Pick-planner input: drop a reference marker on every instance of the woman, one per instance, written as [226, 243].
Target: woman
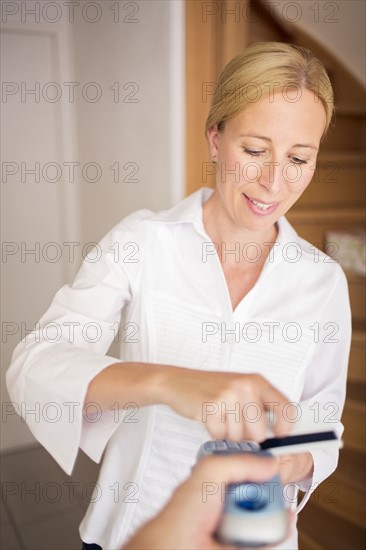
[226, 311]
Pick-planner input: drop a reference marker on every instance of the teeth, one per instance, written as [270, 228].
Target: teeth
[260, 205]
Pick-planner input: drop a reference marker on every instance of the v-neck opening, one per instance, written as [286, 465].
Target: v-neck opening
[202, 230]
[232, 310]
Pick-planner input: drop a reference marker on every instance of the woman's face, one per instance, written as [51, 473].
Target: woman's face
[266, 157]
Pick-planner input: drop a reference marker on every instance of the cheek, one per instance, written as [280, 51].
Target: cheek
[229, 167]
[228, 157]
[297, 176]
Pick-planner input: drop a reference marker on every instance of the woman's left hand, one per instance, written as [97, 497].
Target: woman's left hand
[296, 467]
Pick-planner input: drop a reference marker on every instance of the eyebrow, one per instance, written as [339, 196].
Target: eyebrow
[307, 145]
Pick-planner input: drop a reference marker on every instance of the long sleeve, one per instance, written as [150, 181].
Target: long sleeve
[326, 377]
[53, 366]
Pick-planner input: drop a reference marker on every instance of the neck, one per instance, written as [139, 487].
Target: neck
[239, 244]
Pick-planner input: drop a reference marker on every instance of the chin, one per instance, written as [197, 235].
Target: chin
[259, 226]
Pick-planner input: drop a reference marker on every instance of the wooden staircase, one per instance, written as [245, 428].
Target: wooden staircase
[334, 518]
[335, 201]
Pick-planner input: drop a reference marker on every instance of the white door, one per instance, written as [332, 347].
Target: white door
[51, 208]
[38, 202]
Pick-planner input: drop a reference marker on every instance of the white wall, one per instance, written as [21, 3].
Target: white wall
[338, 25]
[143, 46]
[143, 131]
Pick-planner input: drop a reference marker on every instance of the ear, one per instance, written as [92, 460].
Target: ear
[213, 136]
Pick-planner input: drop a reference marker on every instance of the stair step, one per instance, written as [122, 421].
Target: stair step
[343, 489]
[350, 157]
[357, 296]
[312, 224]
[348, 132]
[331, 178]
[353, 419]
[350, 109]
[347, 215]
[330, 531]
[352, 468]
[357, 361]
[356, 391]
[308, 542]
[341, 500]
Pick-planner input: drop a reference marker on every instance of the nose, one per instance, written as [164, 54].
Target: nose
[271, 176]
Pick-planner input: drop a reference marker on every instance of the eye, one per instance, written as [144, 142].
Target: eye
[297, 160]
[253, 152]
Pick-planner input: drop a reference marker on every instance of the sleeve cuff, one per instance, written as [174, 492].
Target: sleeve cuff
[54, 414]
[325, 462]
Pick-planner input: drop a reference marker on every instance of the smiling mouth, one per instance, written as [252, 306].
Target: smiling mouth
[262, 205]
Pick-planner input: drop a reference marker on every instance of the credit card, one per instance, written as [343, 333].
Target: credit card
[293, 444]
[308, 431]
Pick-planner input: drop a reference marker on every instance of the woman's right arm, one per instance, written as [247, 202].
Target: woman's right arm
[218, 399]
[53, 366]
[62, 367]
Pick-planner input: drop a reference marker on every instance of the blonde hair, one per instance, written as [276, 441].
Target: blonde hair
[265, 68]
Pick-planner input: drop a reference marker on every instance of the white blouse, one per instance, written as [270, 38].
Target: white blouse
[161, 272]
